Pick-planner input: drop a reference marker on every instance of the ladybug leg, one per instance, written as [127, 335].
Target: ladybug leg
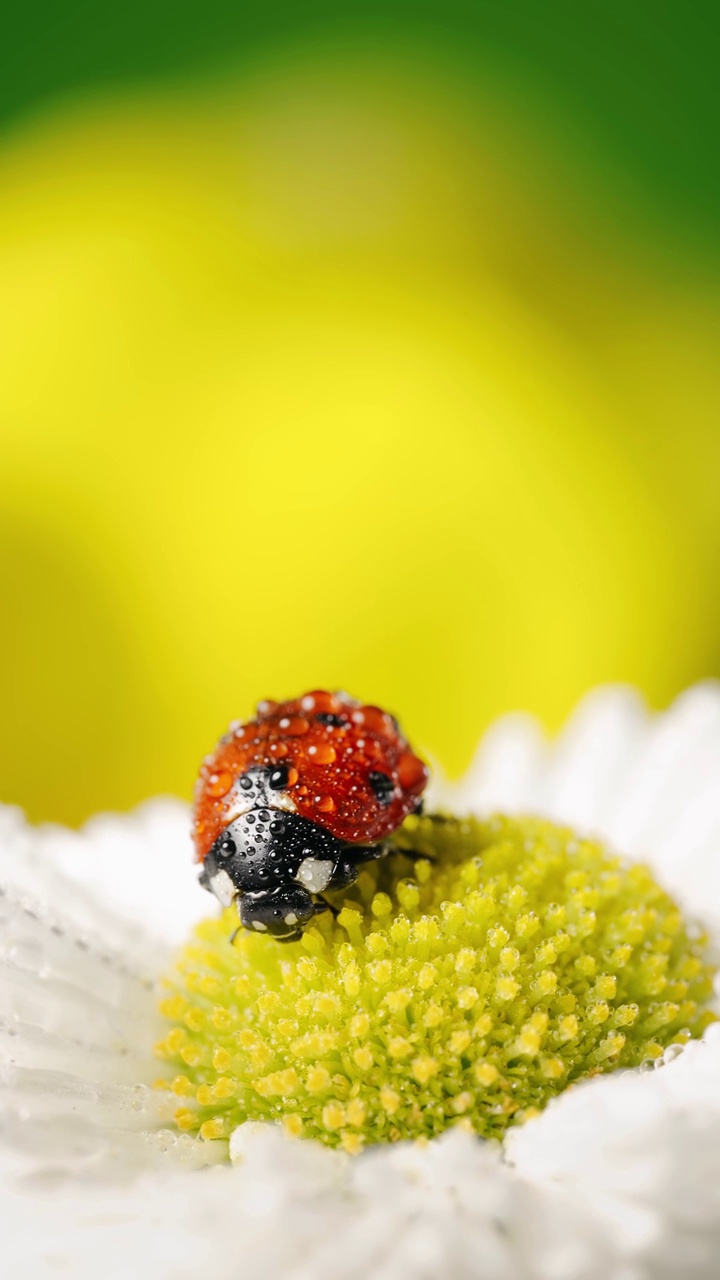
[415, 855]
[348, 865]
[345, 873]
[419, 812]
[356, 854]
[324, 905]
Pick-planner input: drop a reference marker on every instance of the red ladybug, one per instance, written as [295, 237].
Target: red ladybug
[290, 804]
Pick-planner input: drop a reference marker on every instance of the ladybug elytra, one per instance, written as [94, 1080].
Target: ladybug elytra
[289, 805]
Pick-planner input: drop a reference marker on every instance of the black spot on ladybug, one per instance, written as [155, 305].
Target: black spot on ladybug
[279, 777]
[327, 717]
[382, 785]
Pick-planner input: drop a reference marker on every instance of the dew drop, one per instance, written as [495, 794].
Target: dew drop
[219, 784]
[411, 771]
[297, 726]
[325, 804]
[374, 719]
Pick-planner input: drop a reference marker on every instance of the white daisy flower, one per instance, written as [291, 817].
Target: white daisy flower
[618, 1177]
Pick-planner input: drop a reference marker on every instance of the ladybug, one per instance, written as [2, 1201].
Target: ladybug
[289, 805]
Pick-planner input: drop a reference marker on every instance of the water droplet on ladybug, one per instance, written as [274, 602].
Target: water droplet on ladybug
[322, 753]
[219, 784]
[279, 777]
[297, 726]
[374, 720]
[266, 707]
[411, 772]
[325, 804]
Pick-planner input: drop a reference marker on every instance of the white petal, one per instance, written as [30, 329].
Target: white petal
[590, 761]
[140, 864]
[506, 772]
[643, 1149]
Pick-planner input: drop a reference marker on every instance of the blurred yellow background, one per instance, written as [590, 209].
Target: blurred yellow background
[339, 372]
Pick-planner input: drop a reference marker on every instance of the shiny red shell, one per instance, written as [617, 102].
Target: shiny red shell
[329, 768]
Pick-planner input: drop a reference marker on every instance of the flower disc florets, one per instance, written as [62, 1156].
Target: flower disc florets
[468, 989]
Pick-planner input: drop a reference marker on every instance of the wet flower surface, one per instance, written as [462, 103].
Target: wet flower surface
[617, 1176]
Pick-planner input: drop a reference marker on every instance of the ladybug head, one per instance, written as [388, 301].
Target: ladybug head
[282, 914]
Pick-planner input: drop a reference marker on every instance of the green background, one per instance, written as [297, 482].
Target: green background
[638, 82]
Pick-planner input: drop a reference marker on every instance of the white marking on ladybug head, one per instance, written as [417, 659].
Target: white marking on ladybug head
[315, 874]
[223, 888]
[291, 918]
[258, 924]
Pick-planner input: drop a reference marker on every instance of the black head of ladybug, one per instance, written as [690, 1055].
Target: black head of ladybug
[282, 914]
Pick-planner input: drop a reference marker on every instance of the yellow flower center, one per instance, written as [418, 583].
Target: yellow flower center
[464, 990]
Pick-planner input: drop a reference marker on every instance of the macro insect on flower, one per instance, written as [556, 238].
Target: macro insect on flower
[292, 803]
